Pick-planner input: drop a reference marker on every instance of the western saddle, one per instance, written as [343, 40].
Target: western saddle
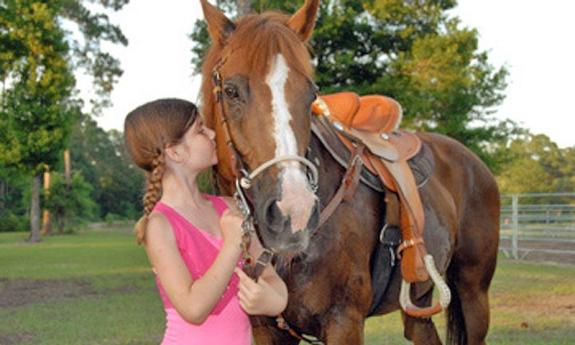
[373, 121]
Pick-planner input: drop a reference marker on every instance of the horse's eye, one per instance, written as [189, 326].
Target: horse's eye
[315, 91]
[231, 92]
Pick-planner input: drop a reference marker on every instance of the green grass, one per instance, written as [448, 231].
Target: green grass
[108, 294]
[96, 288]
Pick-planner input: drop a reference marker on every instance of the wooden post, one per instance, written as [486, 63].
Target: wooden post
[46, 214]
[67, 169]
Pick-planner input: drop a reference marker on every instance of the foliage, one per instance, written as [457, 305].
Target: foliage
[116, 185]
[103, 160]
[91, 26]
[537, 164]
[12, 186]
[10, 221]
[36, 65]
[410, 50]
[69, 203]
[36, 110]
[42, 43]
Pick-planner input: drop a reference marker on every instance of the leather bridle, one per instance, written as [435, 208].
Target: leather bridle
[243, 182]
[244, 178]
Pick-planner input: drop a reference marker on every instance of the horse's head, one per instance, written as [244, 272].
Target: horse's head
[262, 69]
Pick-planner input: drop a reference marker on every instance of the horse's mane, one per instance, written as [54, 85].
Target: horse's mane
[260, 38]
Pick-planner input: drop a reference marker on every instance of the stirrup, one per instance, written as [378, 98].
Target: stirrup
[444, 293]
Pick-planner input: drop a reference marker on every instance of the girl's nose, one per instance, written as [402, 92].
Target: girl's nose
[211, 133]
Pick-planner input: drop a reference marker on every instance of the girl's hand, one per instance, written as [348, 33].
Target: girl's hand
[259, 298]
[231, 225]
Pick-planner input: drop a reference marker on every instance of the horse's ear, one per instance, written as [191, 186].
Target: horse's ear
[303, 21]
[219, 26]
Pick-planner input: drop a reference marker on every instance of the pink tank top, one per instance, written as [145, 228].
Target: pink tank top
[227, 323]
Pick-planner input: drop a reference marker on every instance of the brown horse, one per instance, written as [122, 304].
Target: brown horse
[263, 74]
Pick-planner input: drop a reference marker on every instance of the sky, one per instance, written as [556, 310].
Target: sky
[530, 39]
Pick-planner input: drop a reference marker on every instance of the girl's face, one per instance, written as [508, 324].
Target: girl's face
[199, 147]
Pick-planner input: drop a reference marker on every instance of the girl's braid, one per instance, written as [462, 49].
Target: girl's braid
[152, 195]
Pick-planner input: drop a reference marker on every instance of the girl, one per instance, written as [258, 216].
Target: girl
[193, 239]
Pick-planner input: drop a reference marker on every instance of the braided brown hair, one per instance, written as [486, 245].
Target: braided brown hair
[147, 131]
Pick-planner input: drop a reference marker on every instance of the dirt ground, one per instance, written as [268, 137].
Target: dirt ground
[18, 292]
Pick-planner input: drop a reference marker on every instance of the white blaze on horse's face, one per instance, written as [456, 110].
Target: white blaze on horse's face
[297, 198]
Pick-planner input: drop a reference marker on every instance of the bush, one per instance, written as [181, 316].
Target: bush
[110, 218]
[12, 222]
[70, 207]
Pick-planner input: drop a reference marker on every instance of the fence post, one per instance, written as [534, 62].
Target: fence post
[515, 228]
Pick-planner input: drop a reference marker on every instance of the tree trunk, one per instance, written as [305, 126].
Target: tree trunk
[244, 7]
[68, 177]
[35, 209]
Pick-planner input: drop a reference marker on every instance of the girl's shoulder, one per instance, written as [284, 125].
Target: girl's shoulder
[159, 229]
[158, 220]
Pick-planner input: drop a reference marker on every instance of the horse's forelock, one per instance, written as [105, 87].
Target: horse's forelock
[259, 38]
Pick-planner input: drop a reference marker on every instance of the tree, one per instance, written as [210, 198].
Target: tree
[412, 51]
[523, 176]
[68, 203]
[102, 158]
[536, 164]
[37, 59]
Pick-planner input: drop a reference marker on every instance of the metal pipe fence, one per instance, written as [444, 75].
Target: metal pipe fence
[538, 224]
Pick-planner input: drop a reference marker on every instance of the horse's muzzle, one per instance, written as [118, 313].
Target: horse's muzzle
[276, 228]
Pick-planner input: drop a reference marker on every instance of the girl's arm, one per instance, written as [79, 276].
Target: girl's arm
[194, 300]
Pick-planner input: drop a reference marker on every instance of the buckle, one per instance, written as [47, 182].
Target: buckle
[265, 257]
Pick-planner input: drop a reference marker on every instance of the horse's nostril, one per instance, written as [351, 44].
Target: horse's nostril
[273, 216]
